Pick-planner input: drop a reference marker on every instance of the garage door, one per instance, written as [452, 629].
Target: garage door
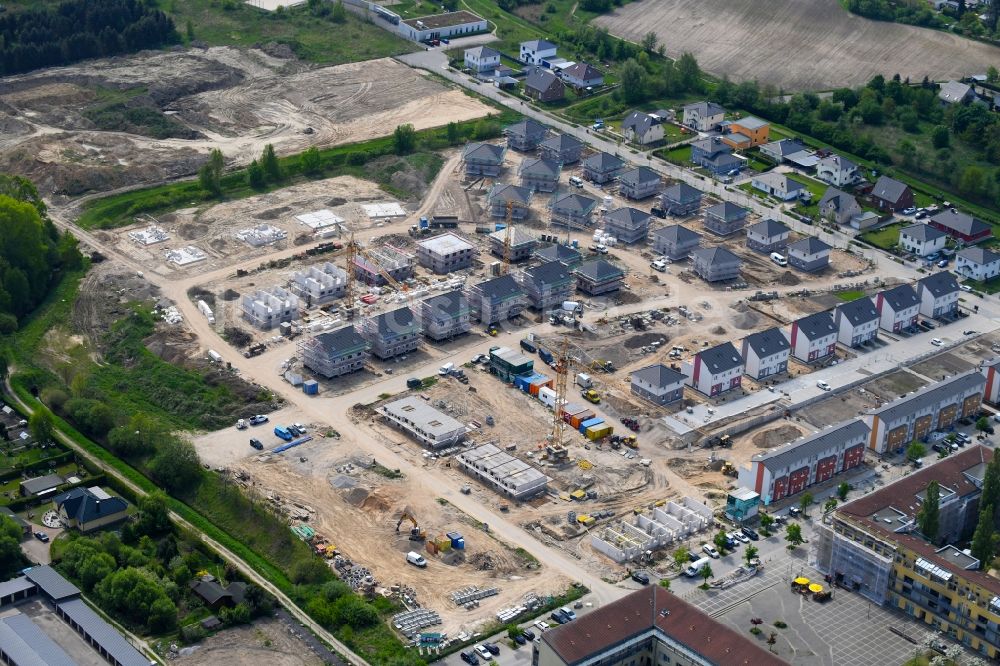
[970, 405]
[798, 480]
[825, 469]
[780, 487]
[923, 426]
[947, 415]
[897, 437]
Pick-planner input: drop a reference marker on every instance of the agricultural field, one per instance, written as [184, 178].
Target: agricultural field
[822, 46]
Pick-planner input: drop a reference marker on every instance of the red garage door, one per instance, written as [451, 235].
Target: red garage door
[798, 480]
[970, 405]
[780, 488]
[826, 468]
[854, 456]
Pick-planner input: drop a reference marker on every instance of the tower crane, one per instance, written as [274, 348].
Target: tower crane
[354, 250]
[556, 448]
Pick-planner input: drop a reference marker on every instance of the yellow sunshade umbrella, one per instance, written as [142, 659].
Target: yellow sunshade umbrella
[801, 580]
[815, 587]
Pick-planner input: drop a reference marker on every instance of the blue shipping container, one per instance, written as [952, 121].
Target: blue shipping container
[590, 422]
[424, 223]
[310, 387]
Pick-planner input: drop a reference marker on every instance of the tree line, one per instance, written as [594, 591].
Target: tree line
[74, 30]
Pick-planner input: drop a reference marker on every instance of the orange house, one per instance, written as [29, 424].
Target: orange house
[747, 132]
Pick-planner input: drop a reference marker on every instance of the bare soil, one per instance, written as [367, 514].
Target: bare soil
[266, 641]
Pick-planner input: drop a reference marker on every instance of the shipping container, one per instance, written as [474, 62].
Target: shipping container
[584, 380]
[538, 383]
[599, 431]
[576, 419]
[310, 387]
[571, 408]
[547, 396]
[589, 422]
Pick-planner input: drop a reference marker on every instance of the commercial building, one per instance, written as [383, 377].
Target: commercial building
[562, 149]
[503, 196]
[715, 370]
[445, 316]
[809, 254]
[539, 174]
[639, 183]
[392, 333]
[873, 545]
[88, 509]
[813, 337]
[268, 308]
[422, 422]
[725, 218]
[765, 353]
[897, 308]
[483, 159]
[447, 25]
[601, 168]
[935, 407]
[703, 116]
[629, 225]
[445, 253]
[597, 276]
[496, 300]
[922, 239]
[548, 285]
[680, 200]
[648, 626]
[977, 263]
[742, 504]
[676, 242]
[658, 384]
[383, 259]
[813, 459]
[961, 226]
[715, 264]
[525, 135]
[317, 285]
[938, 294]
[571, 210]
[335, 353]
[506, 474]
[857, 322]
[508, 363]
[767, 236]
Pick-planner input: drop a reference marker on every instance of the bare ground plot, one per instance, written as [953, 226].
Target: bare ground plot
[266, 641]
[237, 100]
[852, 403]
[941, 366]
[822, 46]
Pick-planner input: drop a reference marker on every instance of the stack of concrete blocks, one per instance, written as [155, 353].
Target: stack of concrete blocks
[319, 284]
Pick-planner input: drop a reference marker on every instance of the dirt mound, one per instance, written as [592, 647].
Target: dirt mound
[747, 320]
[740, 306]
[272, 213]
[336, 201]
[192, 230]
[644, 340]
[302, 239]
[627, 298]
[277, 50]
[776, 436]
[789, 278]
[717, 330]
[230, 295]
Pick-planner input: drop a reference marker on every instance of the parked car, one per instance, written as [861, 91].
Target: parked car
[558, 617]
[910, 211]
[795, 511]
[710, 550]
[568, 612]
[42, 536]
[541, 625]
[520, 639]
[731, 542]
[823, 385]
[640, 577]
[936, 342]
[470, 658]
[529, 634]
[964, 287]
[942, 263]
[241, 424]
[493, 648]
[741, 537]
[483, 653]
[256, 443]
[257, 419]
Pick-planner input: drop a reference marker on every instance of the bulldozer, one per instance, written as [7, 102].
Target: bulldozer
[729, 469]
[416, 533]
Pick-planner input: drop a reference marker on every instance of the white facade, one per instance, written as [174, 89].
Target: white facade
[837, 171]
[934, 306]
[450, 24]
[534, 51]
[704, 116]
[777, 185]
[893, 320]
[267, 309]
[759, 367]
[505, 473]
[851, 334]
[813, 345]
[701, 376]
[424, 423]
[984, 267]
[921, 242]
[319, 284]
[482, 59]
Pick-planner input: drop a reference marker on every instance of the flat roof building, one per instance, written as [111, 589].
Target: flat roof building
[436, 26]
[317, 285]
[506, 474]
[425, 424]
[445, 253]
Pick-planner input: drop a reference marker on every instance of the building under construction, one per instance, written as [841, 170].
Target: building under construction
[398, 264]
[335, 353]
[268, 308]
[444, 316]
[508, 475]
[422, 422]
[392, 333]
[317, 285]
[674, 522]
[522, 244]
[496, 300]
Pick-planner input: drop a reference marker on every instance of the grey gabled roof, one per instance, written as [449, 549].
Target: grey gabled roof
[705, 108]
[811, 446]
[541, 79]
[859, 311]
[922, 232]
[768, 228]
[930, 395]
[681, 193]
[552, 272]
[539, 167]
[638, 122]
[785, 147]
[25, 644]
[767, 343]
[599, 270]
[526, 127]
[816, 325]
[659, 375]
[727, 211]
[452, 303]
[639, 175]
[482, 52]
[51, 583]
[342, 341]
[396, 322]
[953, 91]
[838, 162]
[558, 252]
[505, 192]
[721, 358]
[573, 202]
[500, 288]
[712, 145]
[626, 215]
[809, 245]
[518, 237]
[960, 222]
[978, 255]
[41, 483]
[484, 152]
[716, 256]
[582, 71]
[81, 504]
[677, 233]
[562, 142]
[839, 197]
[603, 162]
[901, 297]
[102, 633]
[774, 179]
[939, 284]
[889, 189]
[539, 44]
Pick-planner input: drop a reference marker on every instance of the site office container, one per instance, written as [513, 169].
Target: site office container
[588, 424]
[569, 409]
[576, 420]
[599, 431]
[539, 383]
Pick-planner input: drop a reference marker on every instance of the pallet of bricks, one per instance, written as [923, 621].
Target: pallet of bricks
[409, 623]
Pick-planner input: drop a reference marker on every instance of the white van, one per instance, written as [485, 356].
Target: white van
[446, 369]
[416, 559]
[779, 259]
[695, 567]
[658, 266]
[576, 181]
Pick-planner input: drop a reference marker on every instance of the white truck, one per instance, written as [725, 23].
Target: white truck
[584, 380]
[207, 311]
[695, 567]
[215, 356]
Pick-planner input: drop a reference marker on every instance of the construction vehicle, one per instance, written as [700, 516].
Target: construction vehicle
[590, 395]
[416, 533]
[729, 469]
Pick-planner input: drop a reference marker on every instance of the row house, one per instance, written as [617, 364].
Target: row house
[766, 353]
[715, 370]
[814, 337]
[991, 367]
[897, 308]
[857, 322]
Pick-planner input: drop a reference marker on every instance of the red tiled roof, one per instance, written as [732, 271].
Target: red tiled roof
[650, 607]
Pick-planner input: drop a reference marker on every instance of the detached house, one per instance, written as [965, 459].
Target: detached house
[838, 207]
[814, 337]
[658, 384]
[392, 333]
[778, 185]
[680, 200]
[534, 51]
[747, 132]
[890, 194]
[857, 322]
[837, 171]
[809, 254]
[582, 76]
[483, 159]
[897, 308]
[572, 210]
[938, 295]
[767, 236]
[539, 174]
[715, 370]
[496, 300]
[445, 316]
[542, 85]
[525, 135]
[642, 128]
[780, 151]
[725, 218]
[602, 168]
[676, 242]
[976, 263]
[482, 60]
[922, 239]
[547, 285]
[503, 194]
[628, 225]
[766, 353]
[954, 92]
[522, 244]
[597, 276]
[704, 116]
[715, 264]
[569, 256]
[88, 509]
[561, 148]
[714, 155]
[639, 183]
[961, 226]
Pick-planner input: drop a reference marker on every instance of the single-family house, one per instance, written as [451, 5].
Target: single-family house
[680, 200]
[496, 300]
[483, 159]
[778, 185]
[444, 316]
[725, 218]
[522, 244]
[445, 253]
[639, 183]
[602, 168]
[215, 596]
[569, 256]
[542, 85]
[676, 242]
[532, 52]
[837, 171]
[938, 295]
[715, 370]
[658, 384]
[88, 509]
[582, 76]
[642, 129]
[813, 337]
[809, 254]
[857, 322]
[779, 151]
[547, 286]
[571, 210]
[897, 308]
[890, 194]
[747, 132]
[767, 236]
[627, 224]
[922, 239]
[766, 353]
[715, 264]
[392, 333]
[482, 60]
[539, 174]
[714, 155]
[955, 92]
[525, 135]
[704, 116]
[335, 353]
[597, 276]
[976, 263]
[838, 206]
[961, 226]
[504, 195]
[561, 148]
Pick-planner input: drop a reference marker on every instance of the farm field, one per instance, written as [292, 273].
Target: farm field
[822, 46]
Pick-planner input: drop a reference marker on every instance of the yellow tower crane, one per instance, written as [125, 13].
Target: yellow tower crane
[556, 448]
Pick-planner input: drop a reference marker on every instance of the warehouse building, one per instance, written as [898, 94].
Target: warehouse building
[792, 468]
[335, 353]
[496, 300]
[504, 473]
[856, 322]
[392, 333]
[445, 253]
[935, 407]
[547, 285]
[445, 316]
[425, 424]
[317, 285]
[267, 309]
[507, 364]
[448, 25]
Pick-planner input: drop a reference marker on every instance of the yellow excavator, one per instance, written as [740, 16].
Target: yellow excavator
[416, 534]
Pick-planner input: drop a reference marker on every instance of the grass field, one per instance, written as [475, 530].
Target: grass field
[680, 155]
[848, 296]
[883, 238]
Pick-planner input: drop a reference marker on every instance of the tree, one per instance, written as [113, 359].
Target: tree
[154, 516]
[404, 139]
[311, 161]
[665, 583]
[92, 417]
[992, 74]
[749, 553]
[269, 163]
[793, 535]
[682, 556]
[984, 538]
[972, 182]
[176, 465]
[771, 640]
[309, 571]
[453, 133]
[649, 41]
[11, 558]
[982, 424]
[720, 542]
[689, 72]
[928, 516]
[991, 487]
[210, 175]
[915, 451]
[255, 176]
[805, 501]
[830, 505]
[842, 490]
[766, 521]
[632, 86]
[41, 426]
[189, 31]
[706, 573]
[939, 137]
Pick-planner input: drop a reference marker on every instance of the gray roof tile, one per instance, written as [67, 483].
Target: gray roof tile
[767, 343]
[659, 375]
[817, 325]
[859, 311]
[721, 358]
[812, 445]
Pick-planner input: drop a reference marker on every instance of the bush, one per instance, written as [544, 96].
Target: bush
[92, 417]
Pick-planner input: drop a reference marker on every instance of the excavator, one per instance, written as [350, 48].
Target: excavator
[416, 534]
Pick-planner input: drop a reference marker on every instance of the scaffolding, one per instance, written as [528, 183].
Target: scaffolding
[319, 284]
[372, 262]
[335, 353]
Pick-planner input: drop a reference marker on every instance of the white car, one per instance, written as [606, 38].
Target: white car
[241, 424]
[739, 536]
[823, 385]
[300, 427]
[483, 654]
[541, 625]
[936, 342]
[710, 550]
[965, 287]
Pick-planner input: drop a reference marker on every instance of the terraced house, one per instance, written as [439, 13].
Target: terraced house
[856, 322]
[814, 337]
[765, 353]
[715, 370]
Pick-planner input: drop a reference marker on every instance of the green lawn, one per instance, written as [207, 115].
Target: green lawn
[883, 238]
[848, 296]
[990, 287]
[680, 155]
